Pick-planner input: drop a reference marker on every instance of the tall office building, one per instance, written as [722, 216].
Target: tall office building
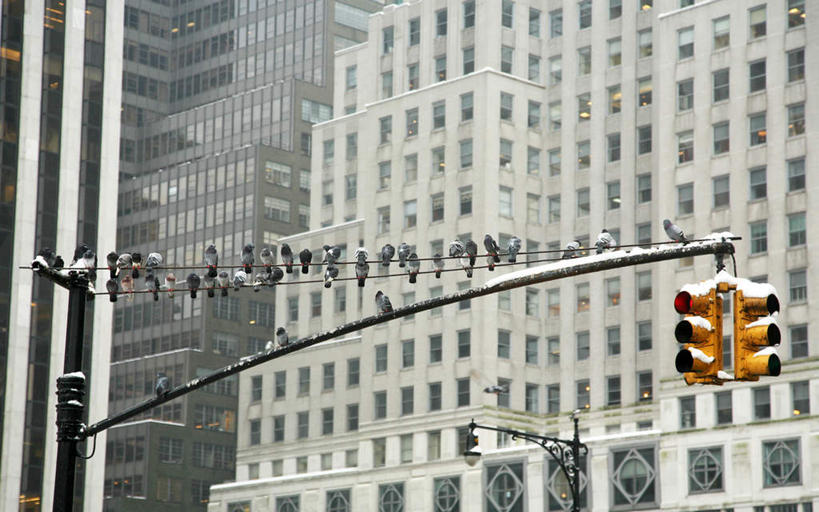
[549, 121]
[59, 76]
[218, 104]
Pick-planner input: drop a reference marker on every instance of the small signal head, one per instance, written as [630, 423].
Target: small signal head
[682, 303]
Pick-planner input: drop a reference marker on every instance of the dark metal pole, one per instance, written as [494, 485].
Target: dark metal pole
[576, 454]
[70, 389]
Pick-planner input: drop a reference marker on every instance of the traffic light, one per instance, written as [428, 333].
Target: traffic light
[701, 331]
[755, 332]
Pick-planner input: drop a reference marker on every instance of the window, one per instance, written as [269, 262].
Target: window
[507, 56]
[469, 60]
[554, 162]
[756, 75]
[800, 397]
[615, 52]
[799, 340]
[584, 14]
[534, 22]
[440, 22]
[412, 122]
[466, 107]
[644, 91]
[380, 455]
[256, 388]
[583, 155]
[644, 285]
[533, 209]
[555, 70]
[463, 392]
[276, 209]
[722, 191]
[170, 450]
[722, 142]
[796, 65]
[613, 390]
[556, 23]
[644, 233]
[633, 477]
[465, 200]
[554, 208]
[644, 188]
[385, 124]
[533, 115]
[440, 68]
[506, 101]
[758, 132]
[724, 407]
[414, 31]
[644, 139]
[338, 501]
[685, 147]
[685, 95]
[796, 174]
[379, 405]
[759, 237]
[384, 175]
[796, 119]
[644, 335]
[303, 424]
[410, 214]
[411, 168]
[532, 161]
[553, 302]
[531, 398]
[553, 399]
[762, 402]
[613, 337]
[350, 77]
[644, 44]
[685, 43]
[327, 421]
[386, 84]
[613, 195]
[534, 68]
[412, 74]
[584, 60]
[407, 400]
[722, 32]
[329, 376]
[280, 386]
[469, 13]
[685, 199]
[554, 116]
[464, 343]
[387, 40]
[505, 201]
[532, 349]
[756, 20]
[781, 462]
[796, 13]
[507, 13]
[435, 350]
[797, 230]
[582, 345]
[613, 143]
[759, 183]
[688, 412]
[381, 358]
[705, 470]
[583, 393]
[644, 386]
[798, 285]
[505, 155]
[407, 353]
[383, 220]
[615, 9]
[583, 202]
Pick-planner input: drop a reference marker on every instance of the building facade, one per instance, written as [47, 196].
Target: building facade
[548, 121]
[219, 100]
[60, 76]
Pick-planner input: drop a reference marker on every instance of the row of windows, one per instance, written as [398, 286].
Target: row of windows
[138, 383]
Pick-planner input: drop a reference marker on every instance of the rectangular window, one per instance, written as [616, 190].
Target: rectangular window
[584, 61]
[759, 237]
[685, 43]
[798, 285]
[440, 68]
[796, 65]
[507, 56]
[613, 143]
[688, 412]
[756, 75]
[644, 90]
[722, 32]
[613, 195]
[435, 349]
[278, 429]
[555, 70]
[800, 396]
[799, 340]
[758, 131]
[381, 358]
[722, 142]
[644, 285]
[615, 52]
[644, 44]
[583, 155]
[613, 296]
[505, 155]
[796, 13]
[532, 399]
[434, 396]
[386, 84]
[613, 390]
[469, 13]
[532, 161]
[644, 139]
[407, 353]
[463, 392]
[584, 14]
[414, 31]
[556, 23]
[554, 162]
[506, 102]
[464, 347]
[304, 380]
[797, 229]
[553, 399]
[387, 40]
[685, 199]
[583, 394]
[533, 208]
[326, 421]
[384, 175]
[466, 107]
[433, 445]
[644, 188]
[380, 454]
[615, 9]
[329, 376]
[615, 99]
[507, 13]
[379, 405]
[440, 22]
[465, 200]
[412, 75]
[534, 22]
[583, 202]
[411, 168]
[532, 350]
[685, 147]
[645, 386]
[722, 191]
[256, 388]
[582, 345]
[385, 125]
[351, 77]
[759, 183]
[644, 335]
[553, 351]
[438, 115]
[796, 119]
[644, 233]
[504, 344]
[757, 22]
[505, 201]
[534, 68]
[613, 341]
[762, 403]
[469, 60]
[410, 214]
[553, 302]
[533, 115]
[280, 384]
[685, 95]
[407, 400]
[724, 407]
[412, 122]
[303, 425]
[796, 174]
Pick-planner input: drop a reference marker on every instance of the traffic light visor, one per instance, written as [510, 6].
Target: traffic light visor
[760, 306]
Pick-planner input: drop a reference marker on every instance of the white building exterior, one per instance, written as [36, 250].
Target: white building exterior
[583, 163]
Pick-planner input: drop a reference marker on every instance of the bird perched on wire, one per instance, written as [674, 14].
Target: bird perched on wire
[276, 275]
[212, 261]
[438, 265]
[210, 284]
[124, 262]
[152, 284]
[170, 283]
[79, 252]
[112, 287]
[152, 262]
[247, 258]
[287, 258]
[571, 249]
[403, 254]
[44, 259]
[413, 267]
[223, 281]
[331, 254]
[471, 249]
[464, 261]
[382, 303]
[193, 282]
[492, 248]
[282, 337]
[605, 241]
[261, 279]
[513, 249]
[306, 258]
[111, 260]
[330, 273]
[456, 248]
[387, 252]
[674, 232]
[362, 268]
[496, 389]
[136, 260]
[269, 346]
[163, 385]
[239, 279]
[127, 283]
[268, 258]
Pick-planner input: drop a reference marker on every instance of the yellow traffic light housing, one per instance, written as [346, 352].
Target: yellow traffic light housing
[755, 334]
[701, 332]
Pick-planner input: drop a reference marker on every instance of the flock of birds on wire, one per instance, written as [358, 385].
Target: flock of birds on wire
[126, 268]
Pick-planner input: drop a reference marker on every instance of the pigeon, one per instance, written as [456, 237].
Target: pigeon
[362, 268]
[605, 241]
[210, 284]
[490, 263]
[306, 258]
[382, 302]
[276, 275]
[330, 273]
[492, 249]
[456, 248]
[153, 286]
[193, 281]
[125, 262]
[281, 337]
[287, 258]
[464, 261]
[438, 264]
[170, 283]
[211, 260]
[361, 254]
[112, 287]
[674, 232]
[58, 263]
[496, 389]
[239, 279]
[223, 281]
[571, 249]
[513, 249]
[45, 259]
[387, 252]
[87, 262]
[163, 385]
[331, 254]
[413, 267]
[268, 347]
[247, 258]
[403, 254]
[136, 259]
[153, 260]
[472, 251]
[259, 281]
[112, 259]
[79, 252]
[127, 283]
[268, 258]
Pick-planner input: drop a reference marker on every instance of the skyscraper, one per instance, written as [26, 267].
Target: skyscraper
[60, 74]
[549, 121]
[218, 105]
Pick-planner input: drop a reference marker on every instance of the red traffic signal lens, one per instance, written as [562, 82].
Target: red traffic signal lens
[682, 303]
